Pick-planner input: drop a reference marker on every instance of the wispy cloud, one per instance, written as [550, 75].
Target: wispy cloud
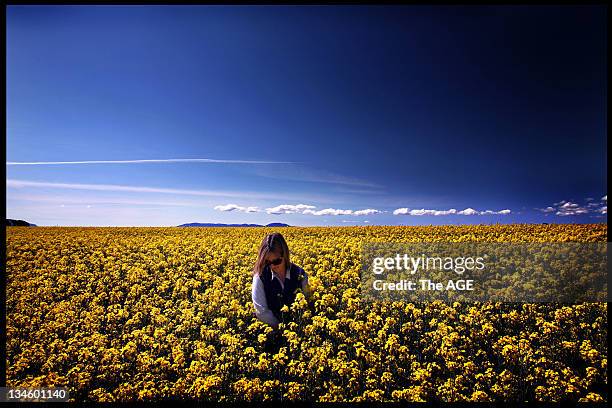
[301, 173]
[139, 189]
[368, 190]
[547, 209]
[72, 200]
[452, 211]
[142, 161]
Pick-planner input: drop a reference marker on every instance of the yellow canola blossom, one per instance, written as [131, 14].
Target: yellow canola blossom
[127, 314]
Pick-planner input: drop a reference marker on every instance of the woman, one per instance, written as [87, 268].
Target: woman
[275, 280]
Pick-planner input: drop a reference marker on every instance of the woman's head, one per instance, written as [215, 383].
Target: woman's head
[274, 252]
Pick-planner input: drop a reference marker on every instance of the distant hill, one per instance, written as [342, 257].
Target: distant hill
[208, 224]
[18, 223]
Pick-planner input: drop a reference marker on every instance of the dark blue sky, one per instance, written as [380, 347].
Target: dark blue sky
[404, 110]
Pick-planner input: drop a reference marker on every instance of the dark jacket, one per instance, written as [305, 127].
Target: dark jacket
[276, 296]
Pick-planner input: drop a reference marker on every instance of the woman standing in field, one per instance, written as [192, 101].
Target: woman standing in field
[276, 280]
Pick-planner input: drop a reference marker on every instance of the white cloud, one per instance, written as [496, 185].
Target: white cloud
[468, 211]
[367, 211]
[452, 211]
[328, 211]
[574, 211]
[568, 205]
[569, 208]
[235, 207]
[446, 212]
[566, 208]
[491, 212]
[289, 208]
[423, 211]
[310, 210]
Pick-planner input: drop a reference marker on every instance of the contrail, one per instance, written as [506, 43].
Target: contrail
[146, 161]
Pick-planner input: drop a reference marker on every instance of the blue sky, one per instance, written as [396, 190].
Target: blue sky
[344, 115]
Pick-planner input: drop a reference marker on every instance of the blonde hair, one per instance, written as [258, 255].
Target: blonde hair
[271, 243]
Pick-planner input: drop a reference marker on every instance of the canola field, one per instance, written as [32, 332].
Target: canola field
[123, 314]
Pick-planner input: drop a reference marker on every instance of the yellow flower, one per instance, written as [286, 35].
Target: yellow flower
[152, 313]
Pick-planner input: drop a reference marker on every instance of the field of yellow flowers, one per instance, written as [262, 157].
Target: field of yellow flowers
[121, 314]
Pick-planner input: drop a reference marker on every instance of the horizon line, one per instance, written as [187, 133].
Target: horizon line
[237, 225]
